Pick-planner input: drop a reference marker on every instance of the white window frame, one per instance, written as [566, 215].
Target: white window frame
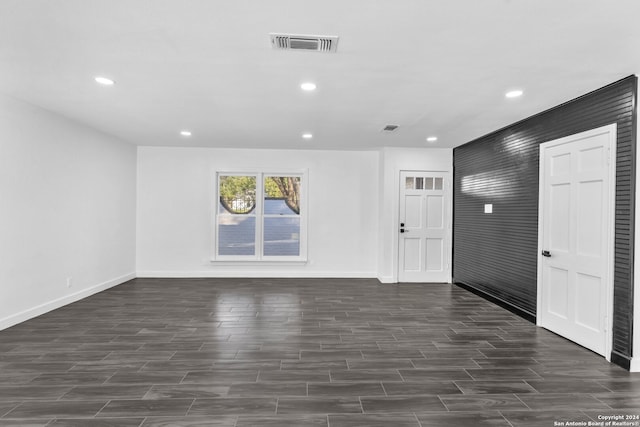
[259, 257]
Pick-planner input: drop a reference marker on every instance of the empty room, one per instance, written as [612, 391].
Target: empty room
[364, 213]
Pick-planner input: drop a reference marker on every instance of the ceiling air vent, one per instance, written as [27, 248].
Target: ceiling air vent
[390, 128]
[304, 42]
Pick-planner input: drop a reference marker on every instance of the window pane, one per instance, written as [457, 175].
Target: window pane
[428, 184]
[282, 195]
[236, 235]
[438, 183]
[408, 183]
[277, 206]
[419, 183]
[237, 194]
[281, 236]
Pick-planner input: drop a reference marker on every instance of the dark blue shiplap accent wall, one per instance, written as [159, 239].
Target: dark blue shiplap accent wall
[497, 254]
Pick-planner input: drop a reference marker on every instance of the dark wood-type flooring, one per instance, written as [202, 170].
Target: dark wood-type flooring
[298, 352]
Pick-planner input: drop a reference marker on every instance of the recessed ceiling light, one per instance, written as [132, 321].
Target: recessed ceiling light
[432, 139]
[185, 133]
[308, 86]
[514, 93]
[307, 135]
[104, 81]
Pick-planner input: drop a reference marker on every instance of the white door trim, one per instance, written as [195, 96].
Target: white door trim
[611, 130]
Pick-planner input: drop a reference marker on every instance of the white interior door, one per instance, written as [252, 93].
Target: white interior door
[424, 248]
[575, 269]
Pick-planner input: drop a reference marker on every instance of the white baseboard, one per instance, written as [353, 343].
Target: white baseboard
[41, 309]
[257, 274]
[634, 366]
[391, 279]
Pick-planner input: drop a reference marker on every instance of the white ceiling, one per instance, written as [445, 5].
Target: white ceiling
[432, 67]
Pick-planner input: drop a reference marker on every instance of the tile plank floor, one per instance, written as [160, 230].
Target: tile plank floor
[298, 352]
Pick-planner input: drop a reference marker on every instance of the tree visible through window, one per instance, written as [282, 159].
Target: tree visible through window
[238, 193]
[257, 227]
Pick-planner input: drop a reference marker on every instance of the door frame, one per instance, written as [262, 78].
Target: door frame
[448, 192]
[611, 130]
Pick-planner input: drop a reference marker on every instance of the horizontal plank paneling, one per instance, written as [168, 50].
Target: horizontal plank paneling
[497, 253]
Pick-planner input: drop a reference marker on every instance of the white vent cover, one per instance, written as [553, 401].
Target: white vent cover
[304, 42]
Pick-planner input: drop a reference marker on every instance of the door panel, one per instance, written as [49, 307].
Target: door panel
[413, 254]
[576, 228]
[589, 216]
[435, 212]
[413, 209]
[559, 233]
[588, 311]
[434, 255]
[424, 247]
[591, 159]
[560, 164]
[557, 302]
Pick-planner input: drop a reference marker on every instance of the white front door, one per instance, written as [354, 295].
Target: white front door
[576, 226]
[424, 248]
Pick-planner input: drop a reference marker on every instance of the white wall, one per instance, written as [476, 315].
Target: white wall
[175, 218]
[67, 210]
[392, 161]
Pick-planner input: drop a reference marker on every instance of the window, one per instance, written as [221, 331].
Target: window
[421, 183]
[260, 216]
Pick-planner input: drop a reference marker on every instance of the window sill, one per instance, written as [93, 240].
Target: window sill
[258, 262]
